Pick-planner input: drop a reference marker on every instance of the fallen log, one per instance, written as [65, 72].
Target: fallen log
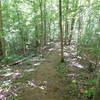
[17, 62]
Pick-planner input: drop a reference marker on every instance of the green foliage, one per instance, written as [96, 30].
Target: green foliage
[89, 41]
[71, 91]
[90, 93]
[25, 26]
[62, 71]
[11, 59]
[29, 24]
[90, 83]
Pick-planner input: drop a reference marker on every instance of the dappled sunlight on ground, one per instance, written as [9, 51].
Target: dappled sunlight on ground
[37, 77]
[71, 56]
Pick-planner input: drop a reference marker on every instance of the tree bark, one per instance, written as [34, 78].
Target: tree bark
[72, 27]
[66, 23]
[45, 24]
[1, 31]
[61, 30]
[42, 26]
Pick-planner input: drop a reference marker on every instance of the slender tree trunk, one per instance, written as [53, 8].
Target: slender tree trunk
[61, 30]
[1, 32]
[45, 24]
[36, 40]
[66, 31]
[66, 23]
[1, 23]
[42, 26]
[36, 36]
[1, 51]
[72, 27]
[49, 36]
[20, 28]
[21, 32]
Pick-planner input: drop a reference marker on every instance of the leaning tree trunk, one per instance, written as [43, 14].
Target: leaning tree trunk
[61, 30]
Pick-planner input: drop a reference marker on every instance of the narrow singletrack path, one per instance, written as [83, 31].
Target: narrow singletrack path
[45, 84]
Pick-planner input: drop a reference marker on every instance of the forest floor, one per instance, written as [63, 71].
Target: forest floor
[47, 79]
[45, 84]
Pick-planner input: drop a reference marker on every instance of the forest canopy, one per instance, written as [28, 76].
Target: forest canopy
[26, 25]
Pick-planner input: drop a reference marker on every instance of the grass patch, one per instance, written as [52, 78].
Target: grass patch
[26, 77]
[61, 70]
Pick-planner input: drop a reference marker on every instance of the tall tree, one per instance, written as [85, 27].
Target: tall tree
[72, 27]
[1, 31]
[66, 22]
[61, 30]
[45, 24]
[42, 25]
[20, 25]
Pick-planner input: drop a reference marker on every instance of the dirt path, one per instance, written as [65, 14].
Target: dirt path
[37, 79]
[45, 84]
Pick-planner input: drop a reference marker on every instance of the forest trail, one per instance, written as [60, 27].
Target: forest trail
[38, 79]
[45, 84]
[35, 36]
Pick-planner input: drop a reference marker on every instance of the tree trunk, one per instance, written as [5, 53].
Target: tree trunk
[66, 31]
[66, 23]
[42, 26]
[72, 27]
[1, 51]
[61, 30]
[20, 22]
[1, 31]
[37, 37]
[45, 24]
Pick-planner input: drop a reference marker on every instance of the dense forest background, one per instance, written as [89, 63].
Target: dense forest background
[29, 27]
